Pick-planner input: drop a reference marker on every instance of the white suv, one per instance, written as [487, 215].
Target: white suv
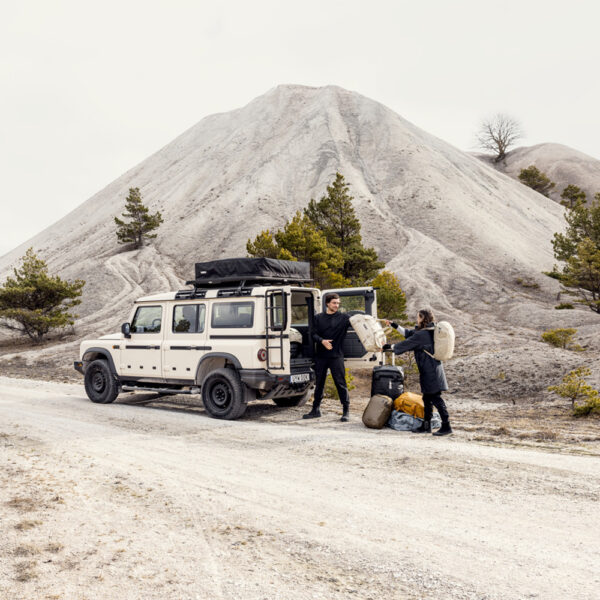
[233, 338]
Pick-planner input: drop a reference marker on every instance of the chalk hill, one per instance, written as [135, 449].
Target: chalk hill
[562, 164]
[456, 231]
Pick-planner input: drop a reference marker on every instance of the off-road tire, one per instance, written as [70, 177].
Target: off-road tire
[224, 395]
[100, 385]
[291, 401]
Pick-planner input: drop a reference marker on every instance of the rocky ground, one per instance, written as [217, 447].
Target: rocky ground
[149, 498]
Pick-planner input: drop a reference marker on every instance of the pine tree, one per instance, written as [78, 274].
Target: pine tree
[571, 196]
[391, 300]
[335, 217]
[576, 389]
[304, 242]
[263, 246]
[34, 302]
[579, 248]
[141, 224]
[582, 275]
[300, 240]
[582, 222]
[536, 180]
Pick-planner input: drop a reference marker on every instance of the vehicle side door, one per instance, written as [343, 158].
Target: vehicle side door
[141, 354]
[352, 301]
[184, 340]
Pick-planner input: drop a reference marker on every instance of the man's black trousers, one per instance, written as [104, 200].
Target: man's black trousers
[431, 400]
[338, 373]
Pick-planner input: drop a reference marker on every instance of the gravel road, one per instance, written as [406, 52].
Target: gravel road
[132, 500]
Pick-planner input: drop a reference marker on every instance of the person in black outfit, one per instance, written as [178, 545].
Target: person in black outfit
[329, 331]
[431, 372]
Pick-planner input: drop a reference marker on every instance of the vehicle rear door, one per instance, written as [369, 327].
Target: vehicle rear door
[361, 300]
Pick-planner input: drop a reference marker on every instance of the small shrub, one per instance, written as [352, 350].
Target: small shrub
[560, 338]
[584, 398]
[591, 406]
[564, 306]
[552, 274]
[526, 283]
[25, 571]
[500, 431]
[330, 389]
[545, 435]
[27, 524]
[26, 550]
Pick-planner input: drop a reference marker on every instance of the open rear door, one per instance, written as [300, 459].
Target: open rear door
[355, 300]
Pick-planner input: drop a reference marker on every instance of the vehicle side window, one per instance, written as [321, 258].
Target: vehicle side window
[147, 319]
[189, 318]
[232, 314]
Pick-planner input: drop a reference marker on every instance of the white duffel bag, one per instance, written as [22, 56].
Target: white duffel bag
[369, 331]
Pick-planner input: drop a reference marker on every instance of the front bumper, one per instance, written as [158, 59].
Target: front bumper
[78, 366]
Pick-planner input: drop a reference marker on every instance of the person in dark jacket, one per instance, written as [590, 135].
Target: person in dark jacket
[431, 372]
[329, 330]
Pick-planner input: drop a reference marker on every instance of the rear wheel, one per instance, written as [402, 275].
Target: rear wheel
[300, 400]
[224, 395]
[100, 385]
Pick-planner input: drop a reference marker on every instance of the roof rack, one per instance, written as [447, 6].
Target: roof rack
[190, 294]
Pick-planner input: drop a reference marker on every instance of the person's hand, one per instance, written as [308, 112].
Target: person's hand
[327, 344]
[387, 323]
[387, 347]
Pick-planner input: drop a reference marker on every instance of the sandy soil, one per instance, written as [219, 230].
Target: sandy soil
[152, 499]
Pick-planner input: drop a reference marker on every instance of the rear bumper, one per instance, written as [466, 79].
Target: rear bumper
[261, 379]
[78, 366]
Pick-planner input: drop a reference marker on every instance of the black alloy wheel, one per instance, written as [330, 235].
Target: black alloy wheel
[100, 385]
[223, 394]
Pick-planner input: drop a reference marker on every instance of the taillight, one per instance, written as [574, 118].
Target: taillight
[262, 355]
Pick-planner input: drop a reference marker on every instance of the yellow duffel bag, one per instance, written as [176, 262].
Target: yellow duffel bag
[411, 404]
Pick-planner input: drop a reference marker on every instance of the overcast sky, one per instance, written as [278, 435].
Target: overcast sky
[89, 89]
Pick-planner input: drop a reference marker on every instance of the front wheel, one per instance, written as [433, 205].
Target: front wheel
[100, 385]
[224, 395]
[291, 401]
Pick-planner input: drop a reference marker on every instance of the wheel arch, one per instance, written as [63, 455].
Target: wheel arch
[100, 353]
[212, 361]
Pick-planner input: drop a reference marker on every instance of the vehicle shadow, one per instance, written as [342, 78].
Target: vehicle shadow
[257, 411]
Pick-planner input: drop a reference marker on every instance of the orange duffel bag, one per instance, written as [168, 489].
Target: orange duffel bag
[411, 404]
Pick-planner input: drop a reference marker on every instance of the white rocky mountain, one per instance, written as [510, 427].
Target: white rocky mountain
[461, 236]
[561, 164]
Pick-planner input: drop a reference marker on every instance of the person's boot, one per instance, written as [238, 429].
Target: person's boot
[314, 413]
[345, 412]
[424, 427]
[445, 429]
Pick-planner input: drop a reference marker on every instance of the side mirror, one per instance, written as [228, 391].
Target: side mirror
[126, 330]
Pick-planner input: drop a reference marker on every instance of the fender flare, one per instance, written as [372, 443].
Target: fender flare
[225, 355]
[106, 354]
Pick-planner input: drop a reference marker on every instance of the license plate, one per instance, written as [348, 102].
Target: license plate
[300, 378]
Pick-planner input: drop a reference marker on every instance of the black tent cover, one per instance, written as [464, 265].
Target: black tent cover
[231, 270]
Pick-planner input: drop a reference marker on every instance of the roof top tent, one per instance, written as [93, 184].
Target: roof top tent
[250, 271]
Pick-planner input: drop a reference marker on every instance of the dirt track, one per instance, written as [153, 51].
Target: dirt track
[130, 501]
